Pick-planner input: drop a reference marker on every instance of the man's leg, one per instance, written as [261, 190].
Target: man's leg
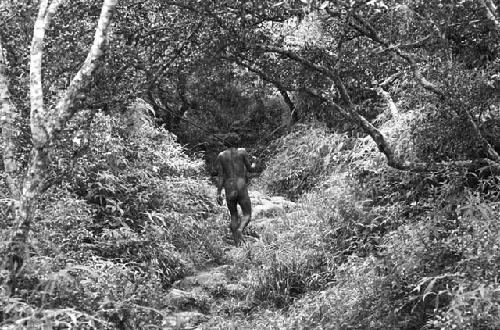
[246, 208]
[235, 223]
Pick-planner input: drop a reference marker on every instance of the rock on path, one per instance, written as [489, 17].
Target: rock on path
[189, 297]
[206, 279]
[264, 206]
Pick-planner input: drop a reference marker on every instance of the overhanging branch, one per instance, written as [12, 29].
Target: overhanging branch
[491, 12]
[365, 28]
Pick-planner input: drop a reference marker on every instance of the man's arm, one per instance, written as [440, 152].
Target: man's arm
[220, 179]
[251, 167]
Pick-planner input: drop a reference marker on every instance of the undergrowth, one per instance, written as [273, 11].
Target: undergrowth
[370, 247]
[129, 216]
[366, 247]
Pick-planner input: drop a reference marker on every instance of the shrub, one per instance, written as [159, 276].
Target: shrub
[299, 161]
[391, 249]
[123, 220]
[286, 275]
[352, 301]
[475, 297]
[473, 306]
[140, 178]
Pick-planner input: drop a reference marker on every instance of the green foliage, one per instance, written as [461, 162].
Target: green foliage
[130, 216]
[440, 131]
[286, 273]
[300, 160]
[371, 247]
[350, 301]
[475, 297]
[472, 307]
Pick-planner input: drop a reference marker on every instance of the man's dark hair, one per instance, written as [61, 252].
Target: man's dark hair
[232, 140]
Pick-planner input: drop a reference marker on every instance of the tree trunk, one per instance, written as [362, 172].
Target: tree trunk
[350, 111]
[288, 117]
[45, 127]
[393, 109]
[365, 28]
[10, 132]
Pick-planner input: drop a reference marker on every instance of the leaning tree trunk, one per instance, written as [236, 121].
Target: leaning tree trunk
[350, 112]
[45, 126]
[365, 28]
[491, 12]
[288, 116]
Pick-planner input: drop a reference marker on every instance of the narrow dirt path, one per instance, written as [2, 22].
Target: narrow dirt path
[215, 290]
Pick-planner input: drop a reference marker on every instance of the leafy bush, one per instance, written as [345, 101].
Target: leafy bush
[473, 306]
[475, 296]
[299, 161]
[127, 218]
[350, 302]
[286, 274]
[374, 247]
[139, 178]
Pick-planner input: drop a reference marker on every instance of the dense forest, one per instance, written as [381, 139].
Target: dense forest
[376, 129]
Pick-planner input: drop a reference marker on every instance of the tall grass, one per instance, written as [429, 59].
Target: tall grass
[372, 247]
[133, 214]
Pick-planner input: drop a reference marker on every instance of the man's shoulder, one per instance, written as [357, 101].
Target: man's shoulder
[241, 150]
[223, 152]
[234, 151]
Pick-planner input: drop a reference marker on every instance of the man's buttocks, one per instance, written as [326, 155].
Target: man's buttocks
[234, 184]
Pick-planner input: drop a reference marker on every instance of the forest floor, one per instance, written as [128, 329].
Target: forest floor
[218, 292]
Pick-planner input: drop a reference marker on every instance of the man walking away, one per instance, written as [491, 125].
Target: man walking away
[232, 167]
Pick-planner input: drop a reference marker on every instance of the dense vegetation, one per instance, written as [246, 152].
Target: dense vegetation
[380, 119]
[373, 247]
[129, 218]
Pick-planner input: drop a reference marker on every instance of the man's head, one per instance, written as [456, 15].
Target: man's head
[231, 140]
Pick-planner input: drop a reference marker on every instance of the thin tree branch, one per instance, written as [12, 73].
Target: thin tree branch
[476, 165]
[294, 56]
[351, 113]
[393, 109]
[377, 136]
[491, 12]
[191, 123]
[200, 11]
[38, 113]
[7, 20]
[178, 51]
[258, 72]
[64, 109]
[369, 31]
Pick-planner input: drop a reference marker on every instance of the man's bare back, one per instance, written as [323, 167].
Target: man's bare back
[233, 165]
